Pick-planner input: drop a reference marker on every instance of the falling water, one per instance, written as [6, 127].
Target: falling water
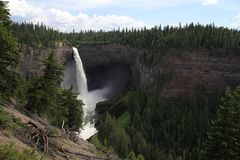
[80, 75]
[90, 99]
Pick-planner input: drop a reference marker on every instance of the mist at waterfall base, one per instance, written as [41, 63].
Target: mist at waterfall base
[100, 84]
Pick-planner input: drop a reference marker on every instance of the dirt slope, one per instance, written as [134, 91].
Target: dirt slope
[60, 147]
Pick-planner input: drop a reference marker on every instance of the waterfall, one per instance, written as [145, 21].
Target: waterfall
[80, 75]
[90, 99]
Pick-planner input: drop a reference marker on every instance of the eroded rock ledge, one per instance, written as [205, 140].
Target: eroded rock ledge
[183, 69]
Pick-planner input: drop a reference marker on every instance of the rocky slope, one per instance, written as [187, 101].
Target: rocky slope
[59, 145]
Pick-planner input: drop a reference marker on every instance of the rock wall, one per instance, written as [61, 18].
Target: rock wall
[180, 71]
[94, 55]
[173, 72]
[32, 57]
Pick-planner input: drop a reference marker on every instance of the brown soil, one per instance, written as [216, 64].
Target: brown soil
[65, 148]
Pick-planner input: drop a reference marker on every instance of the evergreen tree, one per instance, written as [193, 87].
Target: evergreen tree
[74, 113]
[37, 98]
[44, 92]
[132, 156]
[45, 97]
[53, 71]
[223, 142]
[9, 55]
[106, 126]
[120, 141]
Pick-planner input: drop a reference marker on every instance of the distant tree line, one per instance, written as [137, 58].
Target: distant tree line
[186, 36]
[35, 34]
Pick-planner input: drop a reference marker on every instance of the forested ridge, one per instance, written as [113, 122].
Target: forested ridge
[151, 127]
[186, 36]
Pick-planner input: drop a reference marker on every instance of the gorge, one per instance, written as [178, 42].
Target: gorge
[161, 96]
[104, 84]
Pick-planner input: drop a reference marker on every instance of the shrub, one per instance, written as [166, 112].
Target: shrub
[5, 119]
[8, 152]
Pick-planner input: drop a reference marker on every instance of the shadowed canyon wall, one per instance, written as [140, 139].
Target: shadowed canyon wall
[170, 73]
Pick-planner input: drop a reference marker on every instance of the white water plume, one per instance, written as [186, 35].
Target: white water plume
[90, 99]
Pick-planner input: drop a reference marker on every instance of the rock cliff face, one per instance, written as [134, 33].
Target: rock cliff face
[174, 71]
[179, 71]
[95, 55]
[107, 64]
[32, 58]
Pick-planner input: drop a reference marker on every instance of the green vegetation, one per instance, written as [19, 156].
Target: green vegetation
[46, 98]
[112, 135]
[124, 119]
[73, 107]
[5, 119]
[36, 35]
[166, 128]
[8, 152]
[175, 128]
[132, 156]
[223, 141]
[155, 39]
[42, 95]
[9, 55]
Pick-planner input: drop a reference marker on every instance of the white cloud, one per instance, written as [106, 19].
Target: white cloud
[236, 24]
[80, 5]
[210, 2]
[22, 8]
[58, 13]
[65, 21]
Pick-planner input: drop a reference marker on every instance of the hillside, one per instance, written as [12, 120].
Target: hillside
[19, 130]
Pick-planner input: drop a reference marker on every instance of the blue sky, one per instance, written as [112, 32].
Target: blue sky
[111, 14]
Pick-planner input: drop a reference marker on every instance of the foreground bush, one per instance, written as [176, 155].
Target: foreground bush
[8, 152]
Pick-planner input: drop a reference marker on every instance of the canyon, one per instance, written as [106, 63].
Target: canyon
[178, 70]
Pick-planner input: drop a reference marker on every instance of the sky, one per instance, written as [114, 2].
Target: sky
[66, 15]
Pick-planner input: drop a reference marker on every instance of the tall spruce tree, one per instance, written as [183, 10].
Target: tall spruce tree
[223, 142]
[36, 97]
[44, 92]
[53, 71]
[9, 54]
[74, 113]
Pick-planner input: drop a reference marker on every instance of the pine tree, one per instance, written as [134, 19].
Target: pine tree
[223, 142]
[53, 71]
[44, 92]
[106, 126]
[120, 141]
[74, 113]
[9, 55]
[37, 98]
[131, 156]
[45, 97]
